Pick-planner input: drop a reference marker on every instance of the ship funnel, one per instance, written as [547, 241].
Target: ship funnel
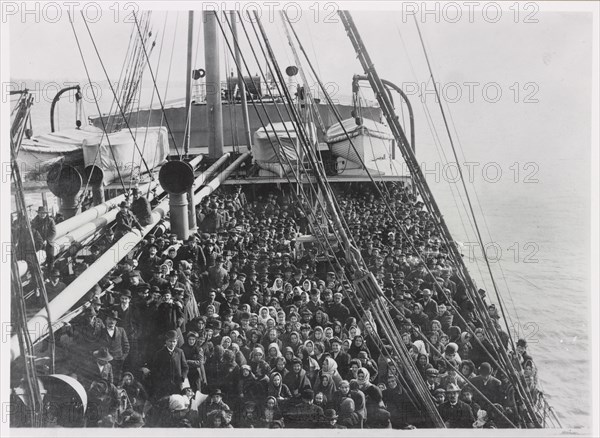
[177, 178]
[64, 181]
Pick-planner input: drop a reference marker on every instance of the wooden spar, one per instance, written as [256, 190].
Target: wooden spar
[213, 85]
[37, 326]
[188, 83]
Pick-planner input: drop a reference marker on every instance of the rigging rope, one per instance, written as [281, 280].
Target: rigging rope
[449, 245]
[162, 107]
[95, 99]
[312, 211]
[522, 391]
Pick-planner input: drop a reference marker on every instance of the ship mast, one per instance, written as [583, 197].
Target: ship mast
[188, 84]
[213, 86]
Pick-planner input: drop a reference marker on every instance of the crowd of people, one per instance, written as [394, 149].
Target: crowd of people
[245, 324]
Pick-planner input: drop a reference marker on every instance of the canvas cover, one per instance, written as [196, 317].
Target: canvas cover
[153, 142]
[266, 148]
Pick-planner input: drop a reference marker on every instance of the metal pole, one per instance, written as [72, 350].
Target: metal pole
[213, 86]
[179, 215]
[68, 206]
[98, 194]
[241, 83]
[192, 226]
[188, 83]
[190, 196]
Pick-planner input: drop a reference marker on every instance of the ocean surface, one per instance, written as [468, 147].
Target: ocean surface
[536, 228]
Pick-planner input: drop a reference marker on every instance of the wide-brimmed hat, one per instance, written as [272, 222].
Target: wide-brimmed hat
[112, 314]
[42, 209]
[103, 354]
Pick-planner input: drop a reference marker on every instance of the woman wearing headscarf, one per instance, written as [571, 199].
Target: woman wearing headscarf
[257, 358]
[270, 412]
[325, 385]
[281, 366]
[253, 342]
[327, 335]
[263, 315]
[240, 359]
[138, 397]
[423, 364]
[273, 354]
[330, 367]
[278, 285]
[433, 345]
[340, 394]
[338, 330]
[271, 337]
[288, 355]
[464, 345]
[277, 388]
[320, 318]
[246, 384]
[358, 344]
[225, 342]
[295, 341]
[309, 364]
[310, 347]
[347, 415]
[369, 364]
[317, 334]
[377, 415]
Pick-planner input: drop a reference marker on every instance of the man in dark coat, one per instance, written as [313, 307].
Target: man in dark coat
[44, 225]
[430, 307]
[125, 221]
[342, 359]
[115, 340]
[304, 415]
[338, 311]
[192, 253]
[140, 207]
[489, 386]
[455, 413]
[54, 286]
[169, 314]
[169, 368]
